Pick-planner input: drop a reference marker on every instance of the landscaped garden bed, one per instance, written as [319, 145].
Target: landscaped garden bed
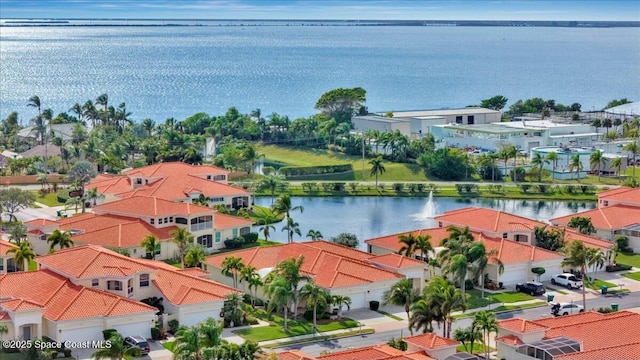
[295, 328]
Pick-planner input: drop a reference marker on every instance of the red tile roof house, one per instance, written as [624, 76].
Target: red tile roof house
[518, 258]
[175, 181]
[611, 221]
[6, 260]
[124, 223]
[585, 336]
[338, 269]
[620, 196]
[78, 292]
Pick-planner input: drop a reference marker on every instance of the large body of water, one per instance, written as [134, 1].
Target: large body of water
[370, 217]
[163, 72]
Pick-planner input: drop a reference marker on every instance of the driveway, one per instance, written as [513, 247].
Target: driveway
[157, 353]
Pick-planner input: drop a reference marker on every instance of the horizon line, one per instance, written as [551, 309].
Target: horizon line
[294, 19]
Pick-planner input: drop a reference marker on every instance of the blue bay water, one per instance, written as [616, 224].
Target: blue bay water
[163, 72]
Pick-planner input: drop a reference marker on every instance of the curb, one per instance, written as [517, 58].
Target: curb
[505, 311]
[317, 339]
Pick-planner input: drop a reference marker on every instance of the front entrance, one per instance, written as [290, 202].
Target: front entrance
[26, 332]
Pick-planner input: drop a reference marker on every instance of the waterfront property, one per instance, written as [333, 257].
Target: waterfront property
[620, 196]
[339, 269]
[123, 224]
[174, 181]
[584, 336]
[76, 293]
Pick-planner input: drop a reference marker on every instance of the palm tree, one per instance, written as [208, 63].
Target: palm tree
[596, 258]
[576, 165]
[265, 230]
[117, 350]
[576, 257]
[151, 245]
[292, 228]
[486, 321]
[35, 102]
[553, 158]
[408, 242]
[284, 206]
[582, 224]
[634, 149]
[250, 275]
[446, 299]
[340, 301]
[459, 267]
[423, 243]
[272, 183]
[505, 153]
[290, 271]
[401, 293]
[148, 125]
[538, 161]
[233, 309]
[423, 314]
[23, 254]
[198, 342]
[314, 234]
[617, 163]
[469, 334]
[231, 266]
[597, 159]
[195, 256]
[483, 261]
[93, 195]
[280, 293]
[182, 238]
[377, 167]
[103, 100]
[314, 295]
[62, 239]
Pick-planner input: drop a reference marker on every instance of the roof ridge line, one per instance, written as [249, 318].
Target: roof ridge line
[82, 288]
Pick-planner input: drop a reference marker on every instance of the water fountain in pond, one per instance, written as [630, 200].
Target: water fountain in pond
[429, 211]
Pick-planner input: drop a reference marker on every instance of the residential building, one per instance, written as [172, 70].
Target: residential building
[339, 269]
[414, 128]
[492, 223]
[175, 181]
[7, 264]
[584, 336]
[123, 224]
[79, 292]
[610, 222]
[64, 131]
[517, 258]
[463, 116]
[563, 166]
[619, 196]
[42, 151]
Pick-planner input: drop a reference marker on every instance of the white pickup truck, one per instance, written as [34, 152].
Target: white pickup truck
[568, 280]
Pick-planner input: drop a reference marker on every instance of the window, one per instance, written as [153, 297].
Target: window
[95, 282]
[153, 221]
[440, 224]
[144, 280]
[205, 240]
[171, 219]
[166, 220]
[138, 181]
[234, 233]
[1, 264]
[606, 203]
[217, 236]
[160, 221]
[130, 287]
[217, 199]
[470, 120]
[201, 223]
[521, 238]
[458, 119]
[504, 235]
[219, 177]
[208, 177]
[114, 285]
[181, 221]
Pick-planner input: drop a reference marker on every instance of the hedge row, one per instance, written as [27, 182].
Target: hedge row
[288, 171]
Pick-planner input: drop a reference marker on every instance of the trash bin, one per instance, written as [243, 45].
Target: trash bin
[614, 307]
[604, 289]
[550, 297]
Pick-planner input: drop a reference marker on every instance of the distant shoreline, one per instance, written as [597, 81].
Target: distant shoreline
[300, 22]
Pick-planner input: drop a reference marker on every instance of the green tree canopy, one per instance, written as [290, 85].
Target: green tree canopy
[497, 102]
[341, 104]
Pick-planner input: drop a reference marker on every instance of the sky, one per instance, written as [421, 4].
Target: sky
[598, 10]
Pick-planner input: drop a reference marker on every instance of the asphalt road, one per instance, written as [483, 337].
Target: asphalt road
[624, 301]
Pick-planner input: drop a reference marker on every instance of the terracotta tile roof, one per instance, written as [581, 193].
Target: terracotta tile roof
[19, 305]
[91, 222]
[6, 246]
[125, 235]
[43, 284]
[177, 188]
[589, 241]
[483, 219]
[521, 325]
[175, 168]
[510, 339]
[4, 316]
[194, 272]
[510, 252]
[392, 243]
[610, 217]
[224, 221]
[150, 206]
[41, 222]
[330, 270]
[376, 352]
[35, 232]
[630, 351]
[181, 288]
[396, 261]
[624, 195]
[338, 249]
[430, 341]
[293, 355]
[109, 184]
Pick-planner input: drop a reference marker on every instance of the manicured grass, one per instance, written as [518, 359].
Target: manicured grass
[555, 290]
[475, 301]
[320, 338]
[169, 345]
[633, 275]
[33, 266]
[49, 199]
[596, 284]
[295, 328]
[394, 317]
[504, 308]
[628, 259]
[478, 348]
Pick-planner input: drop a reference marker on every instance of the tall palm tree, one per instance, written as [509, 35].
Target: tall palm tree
[576, 257]
[266, 230]
[446, 298]
[62, 239]
[116, 350]
[292, 228]
[459, 267]
[408, 242]
[596, 259]
[272, 183]
[195, 256]
[150, 244]
[505, 153]
[634, 149]
[93, 195]
[597, 159]
[233, 309]
[35, 102]
[291, 271]
[553, 158]
[377, 167]
[182, 238]
[23, 254]
[576, 164]
[251, 276]
[148, 125]
[231, 266]
[538, 161]
[617, 163]
[283, 205]
[469, 334]
[280, 293]
[103, 100]
[340, 301]
[401, 293]
[486, 321]
[423, 243]
[314, 295]
[483, 261]
[423, 314]
[314, 234]
[198, 342]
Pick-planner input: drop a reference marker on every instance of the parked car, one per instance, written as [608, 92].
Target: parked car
[568, 280]
[532, 288]
[139, 341]
[558, 309]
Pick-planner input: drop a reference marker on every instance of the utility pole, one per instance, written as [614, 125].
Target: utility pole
[363, 172]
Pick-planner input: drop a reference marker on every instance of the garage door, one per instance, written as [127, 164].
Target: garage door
[82, 334]
[134, 329]
[358, 301]
[191, 319]
[512, 277]
[376, 294]
[550, 272]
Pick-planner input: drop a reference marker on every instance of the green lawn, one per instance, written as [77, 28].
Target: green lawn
[633, 275]
[555, 290]
[394, 317]
[169, 345]
[478, 348]
[475, 301]
[628, 259]
[523, 306]
[295, 328]
[596, 284]
[33, 266]
[49, 199]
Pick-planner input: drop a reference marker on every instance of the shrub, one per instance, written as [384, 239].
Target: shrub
[420, 187]
[468, 284]
[459, 188]
[346, 239]
[539, 271]
[339, 186]
[469, 188]
[412, 187]
[293, 171]
[570, 189]
[268, 170]
[623, 243]
[155, 333]
[604, 310]
[398, 186]
[327, 186]
[518, 174]
[174, 325]
[63, 196]
[543, 188]
[250, 238]
[108, 333]
[524, 187]
[374, 305]
[250, 320]
[67, 352]
[233, 243]
[617, 267]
